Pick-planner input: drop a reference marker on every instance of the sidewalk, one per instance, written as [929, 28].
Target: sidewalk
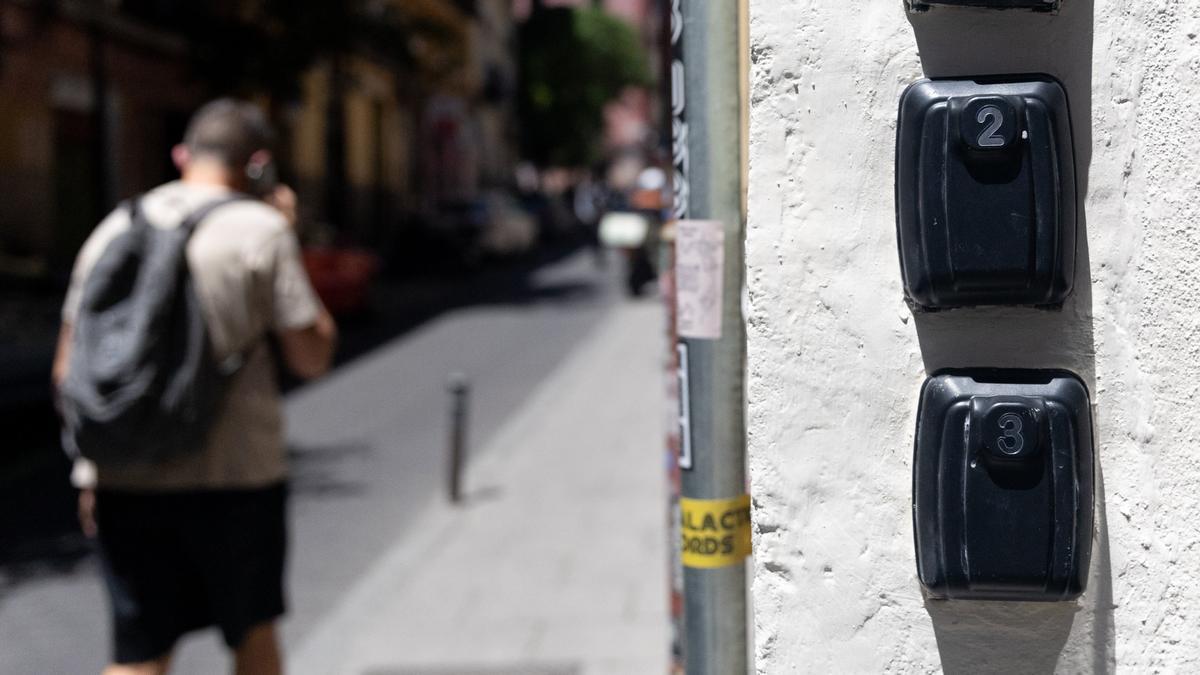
[556, 563]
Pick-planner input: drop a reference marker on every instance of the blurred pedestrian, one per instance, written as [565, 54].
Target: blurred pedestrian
[588, 200]
[197, 538]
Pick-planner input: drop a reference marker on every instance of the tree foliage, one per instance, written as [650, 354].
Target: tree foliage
[573, 61]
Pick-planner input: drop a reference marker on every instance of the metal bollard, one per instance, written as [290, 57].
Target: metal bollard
[460, 389]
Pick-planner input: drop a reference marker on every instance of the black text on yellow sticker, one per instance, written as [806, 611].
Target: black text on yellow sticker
[716, 532]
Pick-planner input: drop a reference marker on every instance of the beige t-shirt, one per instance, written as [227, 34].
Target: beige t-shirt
[246, 267]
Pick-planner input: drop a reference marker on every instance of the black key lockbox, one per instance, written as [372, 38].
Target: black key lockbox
[1002, 485]
[1036, 5]
[985, 193]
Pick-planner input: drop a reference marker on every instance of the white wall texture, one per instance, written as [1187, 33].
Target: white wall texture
[835, 358]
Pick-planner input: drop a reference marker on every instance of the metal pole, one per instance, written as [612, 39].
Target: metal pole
[715, 618]
[459, 389]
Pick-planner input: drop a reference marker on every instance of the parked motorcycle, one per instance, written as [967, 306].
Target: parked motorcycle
[634, 234]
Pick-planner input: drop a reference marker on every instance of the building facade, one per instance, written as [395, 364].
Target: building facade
[373, 136]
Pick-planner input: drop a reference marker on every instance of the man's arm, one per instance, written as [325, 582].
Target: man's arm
[308, 352]
[83, 474]
[62, 354]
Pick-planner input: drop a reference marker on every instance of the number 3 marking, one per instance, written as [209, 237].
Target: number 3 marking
[1011, 441]
[989, 139]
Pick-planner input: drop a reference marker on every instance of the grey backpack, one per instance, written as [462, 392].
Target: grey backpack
[142, 383]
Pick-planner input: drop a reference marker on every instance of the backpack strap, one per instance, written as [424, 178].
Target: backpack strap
[234, 362]
[195, 217]
[138, 219]
[133, 205]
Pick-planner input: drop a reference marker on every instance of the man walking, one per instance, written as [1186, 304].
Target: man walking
[198, 539]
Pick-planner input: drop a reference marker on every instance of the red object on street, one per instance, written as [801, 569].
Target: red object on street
[342, 277]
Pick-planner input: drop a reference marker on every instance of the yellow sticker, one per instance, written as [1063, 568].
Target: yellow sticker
[716, 532]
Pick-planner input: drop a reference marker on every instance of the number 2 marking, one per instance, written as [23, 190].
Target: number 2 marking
[1011, 441]
[989, 139]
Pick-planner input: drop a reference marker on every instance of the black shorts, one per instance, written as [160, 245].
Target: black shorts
[180, 561]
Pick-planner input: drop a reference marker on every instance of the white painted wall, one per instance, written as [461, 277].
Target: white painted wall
[836, 359]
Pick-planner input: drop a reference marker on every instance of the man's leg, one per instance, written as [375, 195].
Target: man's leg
[141, 566]
[259, 652]
[156, 667]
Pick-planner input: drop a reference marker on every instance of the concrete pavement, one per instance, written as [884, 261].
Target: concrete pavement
[367, 445]
[557, 562]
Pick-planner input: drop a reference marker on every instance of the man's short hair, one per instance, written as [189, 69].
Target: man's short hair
[229, 131]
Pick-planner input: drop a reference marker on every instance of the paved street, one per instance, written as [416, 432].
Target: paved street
[557, 563]
[565, 423]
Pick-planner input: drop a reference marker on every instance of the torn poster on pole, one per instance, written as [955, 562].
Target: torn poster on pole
[699, 268]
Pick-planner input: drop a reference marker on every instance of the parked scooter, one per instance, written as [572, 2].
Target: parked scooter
[632, 233]
[634, 229]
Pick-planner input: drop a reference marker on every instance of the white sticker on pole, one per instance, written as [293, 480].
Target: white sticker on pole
[685, 408]
[699, 266]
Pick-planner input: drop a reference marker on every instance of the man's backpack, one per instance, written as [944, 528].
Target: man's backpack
[142, 384]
